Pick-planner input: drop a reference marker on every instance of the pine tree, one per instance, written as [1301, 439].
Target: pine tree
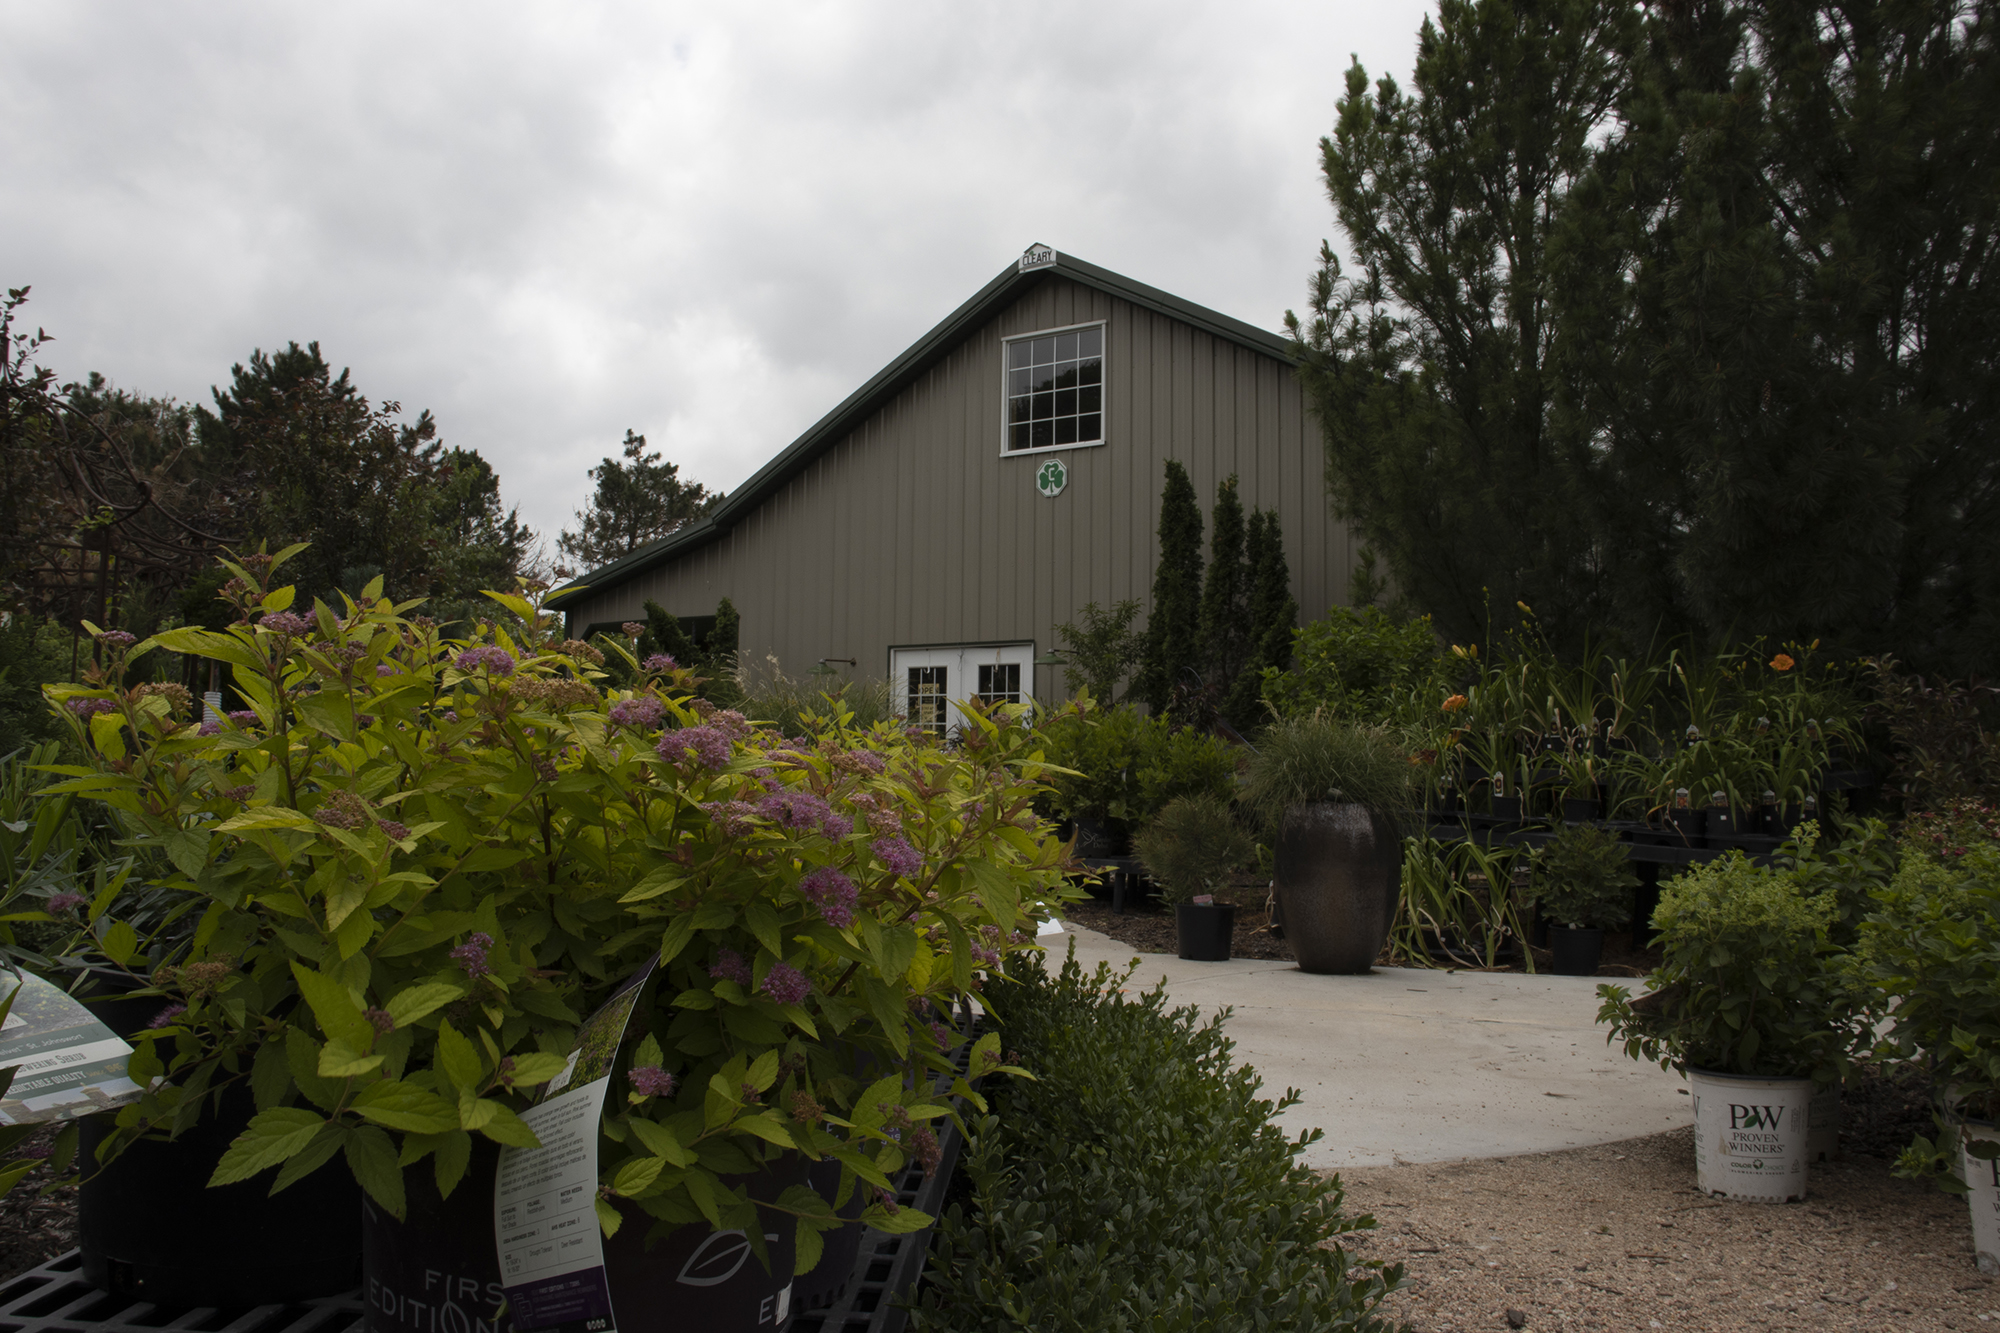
[1225, 593]
[1430, 369]
[1173, 642]
[636, 502]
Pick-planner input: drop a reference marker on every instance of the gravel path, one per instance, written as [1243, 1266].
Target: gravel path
[1616, 1237]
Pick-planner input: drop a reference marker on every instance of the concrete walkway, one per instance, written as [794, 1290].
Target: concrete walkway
[1408, 1065]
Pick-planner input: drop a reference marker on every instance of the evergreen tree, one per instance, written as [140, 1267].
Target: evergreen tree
[722, 640]
[1225, 593]
[1102, 646]
[1777, 297]
[637, 502]
[1274, 615]
[1430, 370]
[1173, 630]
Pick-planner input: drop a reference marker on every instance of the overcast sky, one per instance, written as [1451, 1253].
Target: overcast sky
[706, 223]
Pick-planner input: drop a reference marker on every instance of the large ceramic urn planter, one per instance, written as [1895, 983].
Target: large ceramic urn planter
[1339, 875]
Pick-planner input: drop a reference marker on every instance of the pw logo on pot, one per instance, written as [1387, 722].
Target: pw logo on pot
[1755, 1117]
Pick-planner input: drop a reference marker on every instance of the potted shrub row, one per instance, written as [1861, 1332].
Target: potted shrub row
[413, 865]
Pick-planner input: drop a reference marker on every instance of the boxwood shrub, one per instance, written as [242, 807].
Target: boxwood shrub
[1137, 1183]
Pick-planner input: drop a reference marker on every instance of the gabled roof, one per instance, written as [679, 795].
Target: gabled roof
[1013, 281]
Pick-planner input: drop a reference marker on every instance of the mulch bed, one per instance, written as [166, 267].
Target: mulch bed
[34, 1227]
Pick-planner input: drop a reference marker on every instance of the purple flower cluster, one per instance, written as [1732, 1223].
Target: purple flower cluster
[802, 810]
[116, 639]
[733, 817]
[394, 831]
[652, 1081]
[239, 794]
[897, 854]
[866, 761]
[289, 623]
[833, 893]
[243, 717]
[89, 708]
[382, 1019]
[924, 1147]
[471, 955]
[66, 902]
[658, 662]
[492, 657]
[712, 745]
[384, 669]
[644, 712]
[784, 984]
[209, 729]
[730, 966]
[167, 1015]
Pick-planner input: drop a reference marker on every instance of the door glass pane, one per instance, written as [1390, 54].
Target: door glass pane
[1000, 683]
[928, 699]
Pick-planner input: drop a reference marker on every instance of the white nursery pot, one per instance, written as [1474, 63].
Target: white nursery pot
[1983, 1179]
[1750, 1135]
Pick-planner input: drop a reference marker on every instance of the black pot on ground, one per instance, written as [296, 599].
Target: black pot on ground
[1577, 950]
[1097, 837]
[1722, 822]
[1206, 930]
[1339, 874]
[439, 1270]
[151, 1229]
[1579, 809]
[1507, 809]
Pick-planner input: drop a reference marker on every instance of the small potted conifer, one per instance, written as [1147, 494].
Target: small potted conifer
[1583, 884]
[1189, 849]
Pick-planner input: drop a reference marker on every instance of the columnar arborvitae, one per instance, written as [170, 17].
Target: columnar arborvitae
[722, 639]
[1174, 624]
[1274, 615]
[1225, 593]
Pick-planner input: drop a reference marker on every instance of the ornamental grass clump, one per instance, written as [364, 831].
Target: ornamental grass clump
[419, 863]
[1318, 757]
[1191, 847]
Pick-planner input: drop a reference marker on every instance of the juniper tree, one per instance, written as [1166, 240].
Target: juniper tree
[1274, 614]
[1173, 629]
[1225, 593]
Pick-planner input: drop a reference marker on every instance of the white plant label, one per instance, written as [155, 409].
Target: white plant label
[65, 1062]
[544, 1199]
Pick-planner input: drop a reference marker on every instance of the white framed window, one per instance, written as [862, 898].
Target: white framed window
[1053, 389]
[930, 683]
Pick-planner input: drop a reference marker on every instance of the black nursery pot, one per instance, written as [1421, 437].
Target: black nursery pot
[1577, 951]
[1507, 808]
[151, 1229]
[1097, 837]
[1206, 930]
[1579, 809]
[1691, 824]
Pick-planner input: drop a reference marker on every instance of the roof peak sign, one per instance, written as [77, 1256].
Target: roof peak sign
[1037, 256]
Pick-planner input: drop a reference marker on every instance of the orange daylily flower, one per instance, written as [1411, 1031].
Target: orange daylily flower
[1782, 662]
[1456, 702]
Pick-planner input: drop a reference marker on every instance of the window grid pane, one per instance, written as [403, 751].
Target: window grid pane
[1054, 389]
[1000, 683]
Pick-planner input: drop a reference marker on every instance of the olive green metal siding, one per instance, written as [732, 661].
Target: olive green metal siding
[913, 530]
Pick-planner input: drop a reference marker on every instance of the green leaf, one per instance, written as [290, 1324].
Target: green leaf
[339, 1013]
[536, 1068]
[372, 1158]
[503, 1126]
[763, 1071]
[679, 934]
[415, 1002]
[272, 1137]
[316, 1155]
[609, 1219]
[810, 1247]
[762, 918]
[899, 1223]
[402, 1105]
[663, 880]
[267, 817]
[119, 943]
[454, 1154]
[637, 1175]
[660, 1141]
[767, 1127]
[339, 1060]
[458, 1059]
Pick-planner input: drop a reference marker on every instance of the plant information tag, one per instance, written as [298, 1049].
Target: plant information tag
[545, 1199]
[66, 1063]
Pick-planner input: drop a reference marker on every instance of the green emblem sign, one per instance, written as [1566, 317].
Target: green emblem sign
[1052, 477]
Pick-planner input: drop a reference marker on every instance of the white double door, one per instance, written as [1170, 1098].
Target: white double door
[930, 683]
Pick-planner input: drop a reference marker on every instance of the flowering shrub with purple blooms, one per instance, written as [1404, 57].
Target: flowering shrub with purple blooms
[448, 852]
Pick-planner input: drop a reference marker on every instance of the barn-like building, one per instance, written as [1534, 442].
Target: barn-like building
[988, 483]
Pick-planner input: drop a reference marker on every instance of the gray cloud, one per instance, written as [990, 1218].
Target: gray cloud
[549, 223]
